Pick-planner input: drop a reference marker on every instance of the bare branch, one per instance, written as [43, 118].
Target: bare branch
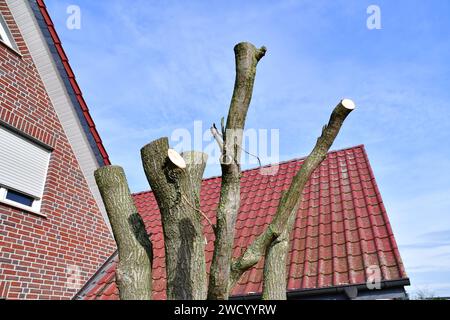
[290, 201]
[222, 126]
[217, 136]
[247, 57]
[220, 134]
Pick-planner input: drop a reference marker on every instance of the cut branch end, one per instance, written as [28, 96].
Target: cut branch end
[348, 104]
[261, 53]
[176, 159]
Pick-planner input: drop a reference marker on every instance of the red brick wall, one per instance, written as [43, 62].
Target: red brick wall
[38, 253]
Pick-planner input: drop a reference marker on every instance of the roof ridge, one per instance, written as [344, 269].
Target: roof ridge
[361, 146]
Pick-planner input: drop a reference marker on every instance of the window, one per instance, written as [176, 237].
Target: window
[23, 170]
[19, 198]
[5, 35]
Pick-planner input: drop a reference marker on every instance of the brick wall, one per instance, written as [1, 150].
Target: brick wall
[40, 255]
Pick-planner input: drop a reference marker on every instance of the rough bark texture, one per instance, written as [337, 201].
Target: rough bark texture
[275, 284]
[134, 271]
[177, 192]
[247, 58]
[289, 204]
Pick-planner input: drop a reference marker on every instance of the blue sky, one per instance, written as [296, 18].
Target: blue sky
[149, 67]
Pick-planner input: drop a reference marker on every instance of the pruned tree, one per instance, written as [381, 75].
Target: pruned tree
[134, 271]
[176, 180]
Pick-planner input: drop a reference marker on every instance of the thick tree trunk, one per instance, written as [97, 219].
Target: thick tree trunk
[177, 191]
[134, 271]
[247, 58]
[275, 283]
[291, 199]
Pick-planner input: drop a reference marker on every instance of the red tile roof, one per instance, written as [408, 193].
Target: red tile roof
[341, 230]
[73, 83]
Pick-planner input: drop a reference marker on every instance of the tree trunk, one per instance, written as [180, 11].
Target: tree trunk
[247, 58]
[177, 192]
[291, 199]
[275, 284]
[134, 271]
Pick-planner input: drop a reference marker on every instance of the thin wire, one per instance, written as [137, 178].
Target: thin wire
[260, 165]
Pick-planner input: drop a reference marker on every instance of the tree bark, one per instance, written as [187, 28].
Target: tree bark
[134, 270]
[247, 58]
[177, 192]
[275, 277]
[290, 202]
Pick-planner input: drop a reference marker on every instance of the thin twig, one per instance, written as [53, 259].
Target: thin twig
[198, 210]
[217, 136]
[222, 126]
[217, 130]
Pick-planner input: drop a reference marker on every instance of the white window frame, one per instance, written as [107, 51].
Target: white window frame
[35, 208]
[6, 36]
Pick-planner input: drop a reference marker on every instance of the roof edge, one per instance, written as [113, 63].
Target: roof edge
[392, 239]
[385, 284]
[92, 280]
[68, 77]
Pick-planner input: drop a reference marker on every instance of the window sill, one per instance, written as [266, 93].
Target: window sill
[13, 50]
[22, 208]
